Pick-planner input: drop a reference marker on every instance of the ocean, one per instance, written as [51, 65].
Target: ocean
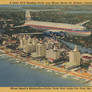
[13, 74]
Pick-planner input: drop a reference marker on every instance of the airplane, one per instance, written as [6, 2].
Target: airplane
[71, 29]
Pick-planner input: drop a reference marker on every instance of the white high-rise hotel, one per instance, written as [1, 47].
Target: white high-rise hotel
[74, 57]
[41, 49]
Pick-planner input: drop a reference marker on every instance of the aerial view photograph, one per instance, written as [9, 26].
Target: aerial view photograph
[46, 45]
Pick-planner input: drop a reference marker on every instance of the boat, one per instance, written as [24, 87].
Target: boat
[17, 61]
[65, 75]
[36, 67]
[57, 73]
[42, 67]
[76, 78]
[26, 63]
[49, 71]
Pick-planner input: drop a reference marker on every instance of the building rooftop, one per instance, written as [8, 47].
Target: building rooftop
[76, 48]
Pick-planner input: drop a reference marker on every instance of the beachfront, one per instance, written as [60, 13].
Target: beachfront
[86, 75]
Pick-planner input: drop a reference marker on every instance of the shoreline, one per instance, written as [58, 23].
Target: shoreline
[86, 76]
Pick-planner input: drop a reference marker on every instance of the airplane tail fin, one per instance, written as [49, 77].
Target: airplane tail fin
[82, 23]
[27, 16]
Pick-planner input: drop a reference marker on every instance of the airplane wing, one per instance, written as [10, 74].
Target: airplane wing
[36, 33]
[82, 23]
[20, 26]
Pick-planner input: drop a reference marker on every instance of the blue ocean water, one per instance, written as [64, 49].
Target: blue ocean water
[28, 75]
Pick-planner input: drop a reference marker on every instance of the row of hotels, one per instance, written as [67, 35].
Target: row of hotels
[50, 50]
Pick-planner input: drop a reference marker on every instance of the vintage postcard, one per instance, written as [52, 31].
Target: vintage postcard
[46, 45]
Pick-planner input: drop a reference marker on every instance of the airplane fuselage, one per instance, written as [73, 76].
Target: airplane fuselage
[72, 29]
